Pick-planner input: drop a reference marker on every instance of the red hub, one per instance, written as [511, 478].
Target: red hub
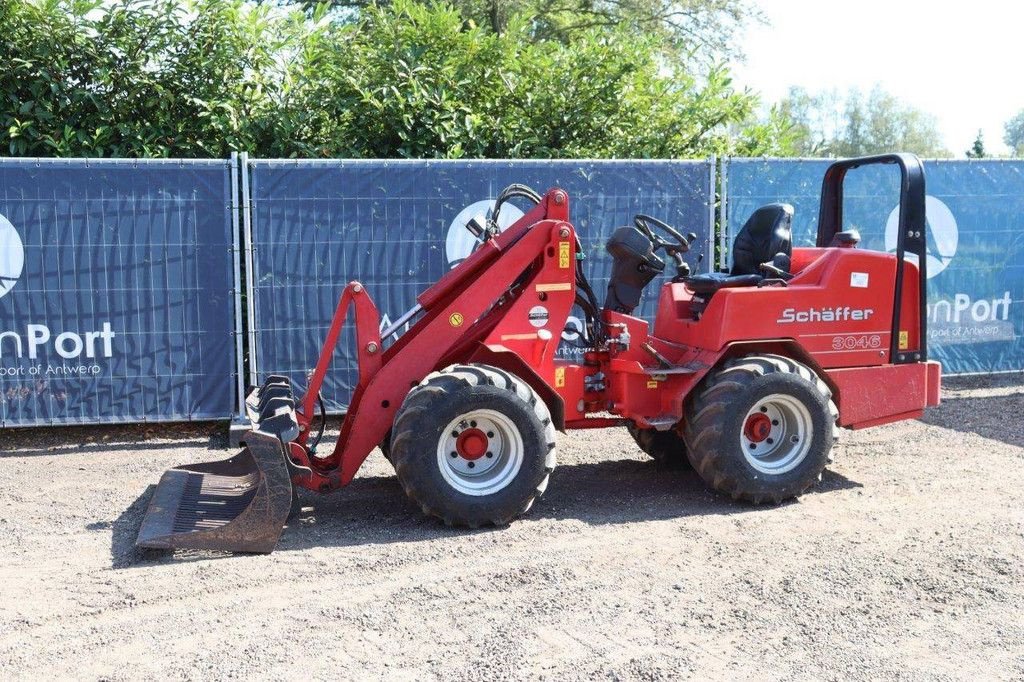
[758, 427]
[471, 444]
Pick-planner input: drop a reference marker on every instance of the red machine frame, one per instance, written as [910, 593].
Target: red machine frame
[855, 318]
[507, 303]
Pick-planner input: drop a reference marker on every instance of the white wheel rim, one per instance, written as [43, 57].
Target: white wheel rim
[480, 452]
[775, 435]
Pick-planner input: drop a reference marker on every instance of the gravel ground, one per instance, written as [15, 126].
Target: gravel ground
[906, 562]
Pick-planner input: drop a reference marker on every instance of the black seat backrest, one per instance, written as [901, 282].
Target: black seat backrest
[767, 232]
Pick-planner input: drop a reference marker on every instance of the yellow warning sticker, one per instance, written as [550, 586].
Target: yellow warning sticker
[563, 255]
[559, 377]
[904, 340]
[456, 320]
[652, 384]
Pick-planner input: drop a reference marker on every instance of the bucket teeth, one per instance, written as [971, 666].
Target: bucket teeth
[273, 393]
[239, 504]
[271, 408]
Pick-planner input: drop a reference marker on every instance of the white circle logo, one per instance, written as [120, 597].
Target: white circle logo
[538, 316]
[12, 256]
[460, 242]
[942, 235]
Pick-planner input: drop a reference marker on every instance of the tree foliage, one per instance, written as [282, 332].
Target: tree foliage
[977, 150]
[202, 78]
[424, 84]
[1014, 137]
[136, 78]
[706, 28]
[831, 124]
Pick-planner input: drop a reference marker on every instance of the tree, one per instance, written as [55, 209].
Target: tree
[417, 81]
[828, 124]
[881, 123]
[1014, 137]
[408, 79]
[977, 150]
[814, 120]
[705, 28]
[134, 78]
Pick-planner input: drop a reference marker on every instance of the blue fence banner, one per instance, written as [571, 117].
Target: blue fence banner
[975, 213]
[398, 226]
[117, 291]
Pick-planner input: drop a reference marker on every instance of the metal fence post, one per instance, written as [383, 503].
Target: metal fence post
[236, 253]
[712, 165]
[250, 265]
[723, 215]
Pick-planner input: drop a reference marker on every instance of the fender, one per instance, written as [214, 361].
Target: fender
[788, 348]
[502, 358]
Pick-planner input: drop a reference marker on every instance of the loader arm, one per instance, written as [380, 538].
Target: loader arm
[451, 310]
[368, 346]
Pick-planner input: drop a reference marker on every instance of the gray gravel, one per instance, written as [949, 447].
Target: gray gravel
[907, 562]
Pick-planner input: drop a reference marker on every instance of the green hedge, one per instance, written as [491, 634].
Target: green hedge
[200, 79]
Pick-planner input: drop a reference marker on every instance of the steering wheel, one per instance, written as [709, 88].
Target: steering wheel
[644, 223]
[676, 249]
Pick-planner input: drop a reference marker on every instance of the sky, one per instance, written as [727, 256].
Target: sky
[962, 62]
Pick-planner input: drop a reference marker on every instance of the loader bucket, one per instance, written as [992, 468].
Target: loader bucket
[238, 504]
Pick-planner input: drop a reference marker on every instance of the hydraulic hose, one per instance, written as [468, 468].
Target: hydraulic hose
[323, 422]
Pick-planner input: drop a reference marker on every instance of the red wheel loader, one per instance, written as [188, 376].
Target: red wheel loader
[746, 375]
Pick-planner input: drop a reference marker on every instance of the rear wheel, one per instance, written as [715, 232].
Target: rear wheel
[761, 428]
[665, 447]
[473, 445]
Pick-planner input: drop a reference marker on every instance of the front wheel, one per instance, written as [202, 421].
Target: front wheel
[761, 428]
[473, 445]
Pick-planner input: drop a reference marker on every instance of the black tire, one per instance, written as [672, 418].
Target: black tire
[726, 404]
[421, 432]
[385, 448]
[667, 448]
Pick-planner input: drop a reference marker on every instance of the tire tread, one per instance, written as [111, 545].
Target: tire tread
[437, 387]
[704, 427]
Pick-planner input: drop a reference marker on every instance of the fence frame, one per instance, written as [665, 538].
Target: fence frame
[232, 167]
[245, 323]
[236, 250]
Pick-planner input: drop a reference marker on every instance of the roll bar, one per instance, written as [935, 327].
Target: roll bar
[910, 236]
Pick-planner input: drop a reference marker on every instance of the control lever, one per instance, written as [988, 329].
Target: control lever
[778, 267]
[676, 251]
[771, 269]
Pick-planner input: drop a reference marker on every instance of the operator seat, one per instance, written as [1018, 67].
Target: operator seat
[766, 237]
